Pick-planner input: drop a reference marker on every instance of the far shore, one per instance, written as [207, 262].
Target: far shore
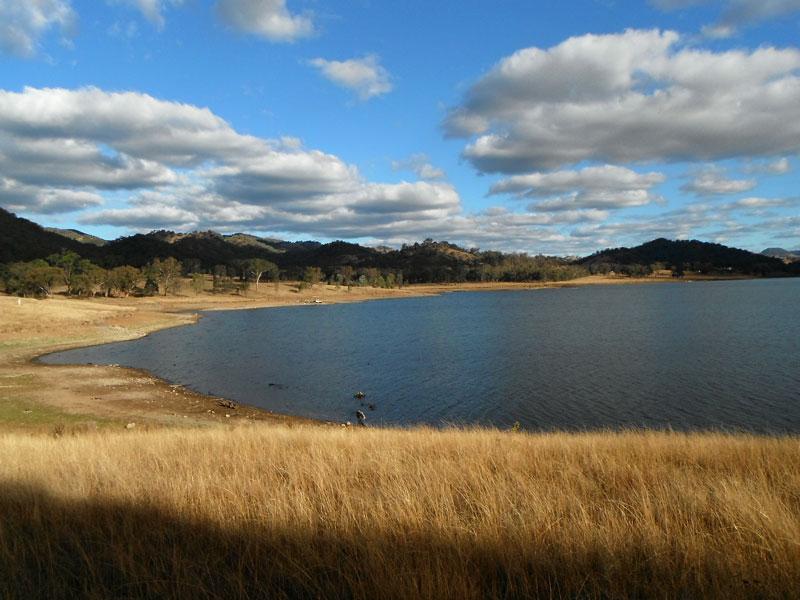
[40, 398]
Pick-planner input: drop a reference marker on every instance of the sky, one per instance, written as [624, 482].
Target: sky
[541, 127]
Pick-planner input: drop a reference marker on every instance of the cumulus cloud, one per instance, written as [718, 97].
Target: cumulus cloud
[605, 187]
[22, 24]
[714, 181]
[421, 166]
[186, 167]
[152, 163]
[270, 19]
[16, 196]
[134, 124]
[759, 205]
[365, 76]
[729, 222]
[633, 96]
[780, 166]
[152, 10]
[144, 218]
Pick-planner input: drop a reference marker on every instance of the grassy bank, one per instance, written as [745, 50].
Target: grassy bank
[280, 511]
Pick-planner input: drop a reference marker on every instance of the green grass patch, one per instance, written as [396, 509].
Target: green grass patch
[19, 412]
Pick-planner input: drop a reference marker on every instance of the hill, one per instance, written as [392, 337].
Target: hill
[429, 261]
[22, 240]
[785, 255]
[244, 239]
[78, 236]
[685, 255]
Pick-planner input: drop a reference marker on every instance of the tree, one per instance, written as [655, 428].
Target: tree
[312, 275]
[70, 264]
[242, 267]
[221, 281]
[87, 277]
[78, 274]
[258, 267]
[105, 280]
[35, 278]
[192, 266]
[347, 273]
[167, 273]
[372, 275]
[198, 282]
[150, 280]
[124, 279]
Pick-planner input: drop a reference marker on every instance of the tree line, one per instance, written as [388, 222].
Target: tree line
[81, 277]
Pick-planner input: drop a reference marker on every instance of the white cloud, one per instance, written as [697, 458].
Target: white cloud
[421, 166]
[24, 22]
[365, 76]
[729, 222]
[126, 31]
[634, 96]
[185, 164]
[745, 12]
[603, 187]
[154, 164]
[145, 218]
[736, 13]
[780, 166]
[270, 19]
[152, 10]
[597, 200]
[130, 123]
[713, 181]
[16, 196]
[54, 161]
[755, 204]
[718, 31]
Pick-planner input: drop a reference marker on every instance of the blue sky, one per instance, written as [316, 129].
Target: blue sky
[539, 127]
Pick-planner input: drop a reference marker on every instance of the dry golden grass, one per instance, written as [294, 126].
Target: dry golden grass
[277, 511]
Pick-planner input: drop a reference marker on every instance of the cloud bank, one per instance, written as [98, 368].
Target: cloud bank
[629, 97]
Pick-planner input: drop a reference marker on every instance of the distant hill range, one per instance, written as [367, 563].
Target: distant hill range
[784, 255]
[23, 240]
[688, 256]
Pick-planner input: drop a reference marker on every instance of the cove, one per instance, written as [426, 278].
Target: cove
[687, 356]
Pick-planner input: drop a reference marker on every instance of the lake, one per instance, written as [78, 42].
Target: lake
[699, 355]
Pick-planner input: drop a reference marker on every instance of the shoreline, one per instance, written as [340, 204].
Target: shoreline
[42, 398]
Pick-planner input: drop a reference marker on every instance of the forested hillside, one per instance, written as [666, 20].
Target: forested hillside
[683, 256]
[232, 256]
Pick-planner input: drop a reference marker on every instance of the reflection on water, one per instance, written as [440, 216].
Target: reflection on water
[705, 355]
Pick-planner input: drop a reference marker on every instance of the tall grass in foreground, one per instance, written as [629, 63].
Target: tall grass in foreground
[272, 511]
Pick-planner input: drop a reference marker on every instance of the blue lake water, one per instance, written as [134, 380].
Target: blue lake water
[680, 355]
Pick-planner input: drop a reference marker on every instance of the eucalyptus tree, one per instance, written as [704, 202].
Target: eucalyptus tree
[258, 267]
